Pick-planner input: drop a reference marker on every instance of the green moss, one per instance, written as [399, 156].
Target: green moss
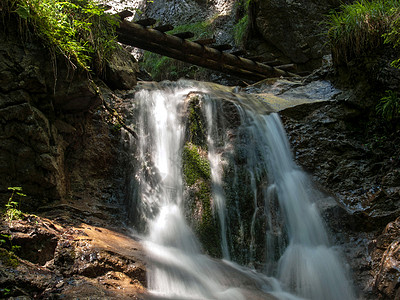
[207, 228]
[195, 165]
[8, 258]
[196, 124]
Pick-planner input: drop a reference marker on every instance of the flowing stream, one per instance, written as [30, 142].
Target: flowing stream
[296, 260]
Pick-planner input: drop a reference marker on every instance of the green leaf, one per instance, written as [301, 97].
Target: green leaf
[23, 11]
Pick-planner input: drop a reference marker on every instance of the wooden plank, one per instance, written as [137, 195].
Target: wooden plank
[125, 14]
[184, 35]
[164, 28]
[205, 41]
[146, 22]
[222, 47]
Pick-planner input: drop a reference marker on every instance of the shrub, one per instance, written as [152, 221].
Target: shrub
[389, 106]
[360, 27]
[393, 37]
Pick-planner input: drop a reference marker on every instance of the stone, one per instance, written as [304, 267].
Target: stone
[121, 70]
[294, 28]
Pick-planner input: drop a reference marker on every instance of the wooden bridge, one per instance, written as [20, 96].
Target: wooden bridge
[142, 34]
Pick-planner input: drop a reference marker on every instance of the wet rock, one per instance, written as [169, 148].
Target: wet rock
[357, 169]
[386, 256]
[56, 259]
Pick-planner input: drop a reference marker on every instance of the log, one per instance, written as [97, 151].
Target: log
[190, 58]
[164, 28]
[156, 41]
[184, 35]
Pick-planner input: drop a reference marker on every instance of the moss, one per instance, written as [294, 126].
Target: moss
[196, 124]
[207, 228]
[195, 164]
[8, 258]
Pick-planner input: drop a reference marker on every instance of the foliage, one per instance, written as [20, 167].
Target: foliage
[360, 27]
[78, 29]
[241, 28]
[12, 207]
[389, 106]
[393, 37]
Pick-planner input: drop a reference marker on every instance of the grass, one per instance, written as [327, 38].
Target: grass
[241, 28]
[360, 27]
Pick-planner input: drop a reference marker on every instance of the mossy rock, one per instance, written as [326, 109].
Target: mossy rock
[8, 258]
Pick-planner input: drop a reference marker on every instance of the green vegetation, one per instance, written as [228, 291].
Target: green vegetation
[240, 31]
[80, 30]
[393, 37]
[360, 27]
[161, 67]
[241, 28]
[196, 125]
[8, 250]
[389, 107]
[196, 166]
[12, 211]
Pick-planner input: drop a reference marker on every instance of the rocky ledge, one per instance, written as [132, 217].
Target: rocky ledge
[62, 256]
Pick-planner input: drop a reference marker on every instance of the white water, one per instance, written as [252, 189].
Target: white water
[177, 269]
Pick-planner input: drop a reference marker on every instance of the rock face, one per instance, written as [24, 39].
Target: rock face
[292, 31]
[359, 167]
[61, 146]
[50, 121]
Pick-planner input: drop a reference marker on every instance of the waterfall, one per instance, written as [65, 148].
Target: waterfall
[286, 239]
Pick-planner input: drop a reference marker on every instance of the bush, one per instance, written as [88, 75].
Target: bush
[393, 37]
[389, 107]
[361, 27]
[78, 29]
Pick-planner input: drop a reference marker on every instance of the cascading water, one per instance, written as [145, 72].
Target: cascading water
[295, 244]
